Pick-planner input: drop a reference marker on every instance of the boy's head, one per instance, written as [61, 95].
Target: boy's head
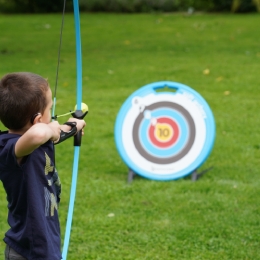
[22, 95]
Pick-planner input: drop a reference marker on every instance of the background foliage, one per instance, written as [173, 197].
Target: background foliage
[130, 6]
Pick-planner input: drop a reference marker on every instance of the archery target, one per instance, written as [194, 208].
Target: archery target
[164, 135]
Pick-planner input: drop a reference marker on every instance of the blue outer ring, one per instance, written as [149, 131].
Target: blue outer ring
[151, 88]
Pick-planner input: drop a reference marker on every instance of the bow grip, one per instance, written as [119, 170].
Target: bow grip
[79, 115]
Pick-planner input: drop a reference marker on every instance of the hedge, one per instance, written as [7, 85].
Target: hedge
[130, 6]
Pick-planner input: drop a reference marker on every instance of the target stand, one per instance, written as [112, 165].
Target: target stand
[195, 175]
[164, 131]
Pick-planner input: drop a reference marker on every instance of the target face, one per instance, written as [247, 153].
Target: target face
[164, 134]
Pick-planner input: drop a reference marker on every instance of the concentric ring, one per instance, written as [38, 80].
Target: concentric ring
[182, 152]
[164, 132]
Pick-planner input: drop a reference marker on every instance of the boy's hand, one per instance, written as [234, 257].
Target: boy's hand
[56, 129]
[68, 130]
[80, 123]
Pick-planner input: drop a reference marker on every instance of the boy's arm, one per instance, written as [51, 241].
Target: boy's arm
[35, 136]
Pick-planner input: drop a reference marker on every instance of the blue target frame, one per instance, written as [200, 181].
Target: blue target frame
[160, 106]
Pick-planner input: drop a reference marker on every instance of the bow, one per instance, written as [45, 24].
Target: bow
[77, 139]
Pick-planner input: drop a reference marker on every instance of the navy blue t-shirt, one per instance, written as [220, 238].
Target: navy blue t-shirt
[33, 189]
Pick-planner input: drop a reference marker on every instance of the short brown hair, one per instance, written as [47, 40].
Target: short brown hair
[22, 95]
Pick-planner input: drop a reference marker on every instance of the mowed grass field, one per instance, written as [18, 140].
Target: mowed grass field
[217, 217]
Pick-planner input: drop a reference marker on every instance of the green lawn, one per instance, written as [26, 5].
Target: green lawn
[217, 217]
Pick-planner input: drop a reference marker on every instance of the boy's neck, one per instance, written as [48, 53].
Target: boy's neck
[15, 132]
[20, 131]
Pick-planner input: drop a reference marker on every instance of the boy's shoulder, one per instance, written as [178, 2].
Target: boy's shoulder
[7, 144]
[5, 136]
[7, 141]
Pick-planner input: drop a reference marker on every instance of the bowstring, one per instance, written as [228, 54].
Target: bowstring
[58, 63]
[56, 80]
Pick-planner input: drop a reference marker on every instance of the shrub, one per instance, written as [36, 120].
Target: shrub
[130, 6]
[244, 6]
[144, 5]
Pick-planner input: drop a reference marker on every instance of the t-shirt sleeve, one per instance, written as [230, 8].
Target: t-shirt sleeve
[7, 153]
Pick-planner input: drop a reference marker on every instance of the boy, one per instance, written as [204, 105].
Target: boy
[27, 166]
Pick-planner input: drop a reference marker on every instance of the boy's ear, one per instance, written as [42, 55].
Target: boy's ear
[37, 118]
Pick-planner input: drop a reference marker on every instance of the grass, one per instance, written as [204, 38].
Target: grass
[216, 217]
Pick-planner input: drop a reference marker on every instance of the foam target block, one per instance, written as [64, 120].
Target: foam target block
[164, 131]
